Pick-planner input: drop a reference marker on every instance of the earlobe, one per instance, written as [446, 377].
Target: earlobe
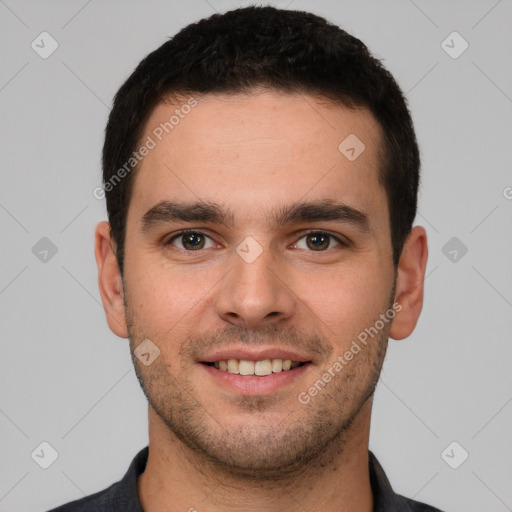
[110, 282]
[409, 283]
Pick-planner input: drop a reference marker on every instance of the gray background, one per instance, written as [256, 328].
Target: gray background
[67, 380]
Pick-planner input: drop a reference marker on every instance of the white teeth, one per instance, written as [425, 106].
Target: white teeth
[263, 367]
[277, 365]
[233, 366]
[259, 368]
[246, 367]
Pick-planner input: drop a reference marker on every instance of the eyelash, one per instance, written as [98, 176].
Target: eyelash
[179, 234]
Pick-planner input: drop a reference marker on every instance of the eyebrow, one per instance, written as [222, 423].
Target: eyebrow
[208, 212]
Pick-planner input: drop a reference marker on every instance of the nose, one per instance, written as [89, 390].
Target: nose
[255, 293]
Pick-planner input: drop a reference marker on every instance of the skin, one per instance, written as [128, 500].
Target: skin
[211, 448]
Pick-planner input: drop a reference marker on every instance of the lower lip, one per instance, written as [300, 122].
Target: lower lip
[254, 385]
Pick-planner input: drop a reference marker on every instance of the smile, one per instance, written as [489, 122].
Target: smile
[258, 368]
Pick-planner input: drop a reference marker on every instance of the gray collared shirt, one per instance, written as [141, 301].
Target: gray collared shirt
[123, 495]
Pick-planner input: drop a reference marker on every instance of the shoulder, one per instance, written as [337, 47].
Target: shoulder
[385, 499]
[417, 506]
[121, 496]
[98, 502]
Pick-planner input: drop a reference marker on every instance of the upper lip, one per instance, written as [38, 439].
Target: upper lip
[254, 355]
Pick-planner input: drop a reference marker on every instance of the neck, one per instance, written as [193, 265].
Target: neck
[178, 479]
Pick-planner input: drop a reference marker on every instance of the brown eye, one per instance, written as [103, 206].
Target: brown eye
[318, 241]
[190, 241]
[193, 241]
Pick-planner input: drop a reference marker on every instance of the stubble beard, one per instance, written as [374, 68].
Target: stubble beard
[310, 437]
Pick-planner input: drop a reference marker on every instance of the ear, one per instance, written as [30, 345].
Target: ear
[110, 282]
[409, 283]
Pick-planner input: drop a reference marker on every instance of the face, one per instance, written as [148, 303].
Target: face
[286, 256]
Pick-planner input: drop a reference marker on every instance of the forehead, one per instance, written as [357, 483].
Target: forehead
[260, 149]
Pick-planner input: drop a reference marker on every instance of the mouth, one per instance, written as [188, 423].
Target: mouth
[249, 368]
[256, 372]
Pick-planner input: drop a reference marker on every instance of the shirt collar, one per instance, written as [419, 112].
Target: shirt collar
[126, 496]
[384, 498]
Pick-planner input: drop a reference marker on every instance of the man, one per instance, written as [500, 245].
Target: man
[261, 173]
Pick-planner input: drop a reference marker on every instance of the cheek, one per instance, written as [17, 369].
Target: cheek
[162, 299]
[348, 300]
